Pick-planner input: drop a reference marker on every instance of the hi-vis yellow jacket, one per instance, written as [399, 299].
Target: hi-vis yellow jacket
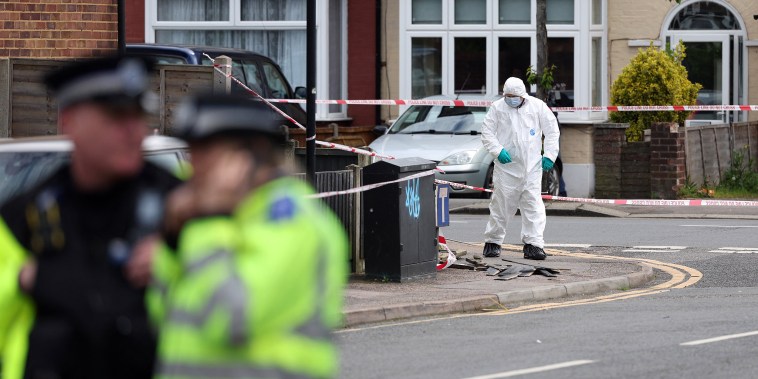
[254, 294]
[17, 315]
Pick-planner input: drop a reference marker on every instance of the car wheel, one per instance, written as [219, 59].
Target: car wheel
[551, 182]
[488, 182]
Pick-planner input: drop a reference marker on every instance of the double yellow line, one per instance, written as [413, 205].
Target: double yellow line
[681, 277]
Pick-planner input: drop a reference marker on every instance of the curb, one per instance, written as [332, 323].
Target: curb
[590, 210]
[582, 210]
[405, 311]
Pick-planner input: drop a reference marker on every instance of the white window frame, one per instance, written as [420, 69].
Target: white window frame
[448, 86]
[469, 27]
[236, 23]
[582, 31]
[669, 35]
[406, 60]
[495, 46]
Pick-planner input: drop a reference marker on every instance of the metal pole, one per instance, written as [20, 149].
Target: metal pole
[310, 86]
[121, 28]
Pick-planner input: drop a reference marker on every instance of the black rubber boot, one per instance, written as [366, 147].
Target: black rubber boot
[534, 252]
[491, 250]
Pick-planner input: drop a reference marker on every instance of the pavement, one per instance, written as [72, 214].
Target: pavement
[459, 290]
[455, 290]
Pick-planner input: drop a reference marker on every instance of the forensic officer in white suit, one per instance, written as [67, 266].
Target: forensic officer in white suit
[512, 131]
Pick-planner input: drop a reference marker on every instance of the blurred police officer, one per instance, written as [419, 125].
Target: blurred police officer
[74, 251]
[250, 282]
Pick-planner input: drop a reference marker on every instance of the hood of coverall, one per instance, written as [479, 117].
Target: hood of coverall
[514, 86]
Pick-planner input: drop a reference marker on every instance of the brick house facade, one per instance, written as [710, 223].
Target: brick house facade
[58, 29]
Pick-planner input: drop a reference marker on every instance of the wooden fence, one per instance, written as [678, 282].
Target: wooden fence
[27, 108]
[710, 149]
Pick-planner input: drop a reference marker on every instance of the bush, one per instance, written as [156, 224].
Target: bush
[653, 77]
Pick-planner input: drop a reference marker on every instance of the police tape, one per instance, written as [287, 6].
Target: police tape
[451, 258]
[642, 202]
[658, 203]
[368, 187]
[487, 103]
[645, 202]
[292, 120]
[462, 186]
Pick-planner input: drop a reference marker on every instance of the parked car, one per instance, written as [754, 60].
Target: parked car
[450, 136]
[257, 71]
[25, 162]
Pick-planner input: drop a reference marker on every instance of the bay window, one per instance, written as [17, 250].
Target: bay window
[274, 28]
[454, 46]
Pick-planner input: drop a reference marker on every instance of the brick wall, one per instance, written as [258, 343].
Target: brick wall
[635, 170]
[667, 159]
[58, 29]
[361, 60]
[609, 141]
[639, 170]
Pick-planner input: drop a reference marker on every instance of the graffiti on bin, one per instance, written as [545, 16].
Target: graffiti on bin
[412, 199]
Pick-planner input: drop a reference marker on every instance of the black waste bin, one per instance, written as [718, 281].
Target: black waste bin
[399, 232]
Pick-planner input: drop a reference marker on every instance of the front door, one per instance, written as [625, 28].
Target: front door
[708, 63]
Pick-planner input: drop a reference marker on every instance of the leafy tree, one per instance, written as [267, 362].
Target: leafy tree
[653, 77]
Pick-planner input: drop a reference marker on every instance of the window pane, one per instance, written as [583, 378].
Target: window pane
[273, 10]
[560, 52]
[253, 76]
[514, 57]
[426, 11]
[470, 11]
[285, 47]
[597, 69]
[426, 67]
[193, 10]
[515, 11]
[703, 15]
[470, 65]
[276, 83]
[597, 12]
[560, 11]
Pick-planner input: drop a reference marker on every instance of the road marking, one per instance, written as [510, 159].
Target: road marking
[736, 250]
[721, 226]
[654, 249]
[579, 245]
[719, 339]
[681, 277]
[533, 370]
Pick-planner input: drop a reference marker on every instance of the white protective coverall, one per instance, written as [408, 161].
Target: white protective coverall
[518, 183]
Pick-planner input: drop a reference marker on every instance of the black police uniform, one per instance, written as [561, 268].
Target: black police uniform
[91, 322]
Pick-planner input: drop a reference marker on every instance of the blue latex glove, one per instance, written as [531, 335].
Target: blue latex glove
[504, 157]
[547, 164]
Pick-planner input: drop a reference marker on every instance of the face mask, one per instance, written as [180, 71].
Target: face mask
[513, 101]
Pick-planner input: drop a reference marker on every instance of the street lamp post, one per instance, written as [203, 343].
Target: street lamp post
[310, 85]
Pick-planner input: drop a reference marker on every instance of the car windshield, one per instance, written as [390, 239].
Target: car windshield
[19, 171]
[440, 120]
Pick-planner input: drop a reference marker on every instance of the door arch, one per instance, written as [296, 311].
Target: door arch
[714, 34]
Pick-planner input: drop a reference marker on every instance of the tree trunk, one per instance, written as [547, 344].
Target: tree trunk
[541, 44]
